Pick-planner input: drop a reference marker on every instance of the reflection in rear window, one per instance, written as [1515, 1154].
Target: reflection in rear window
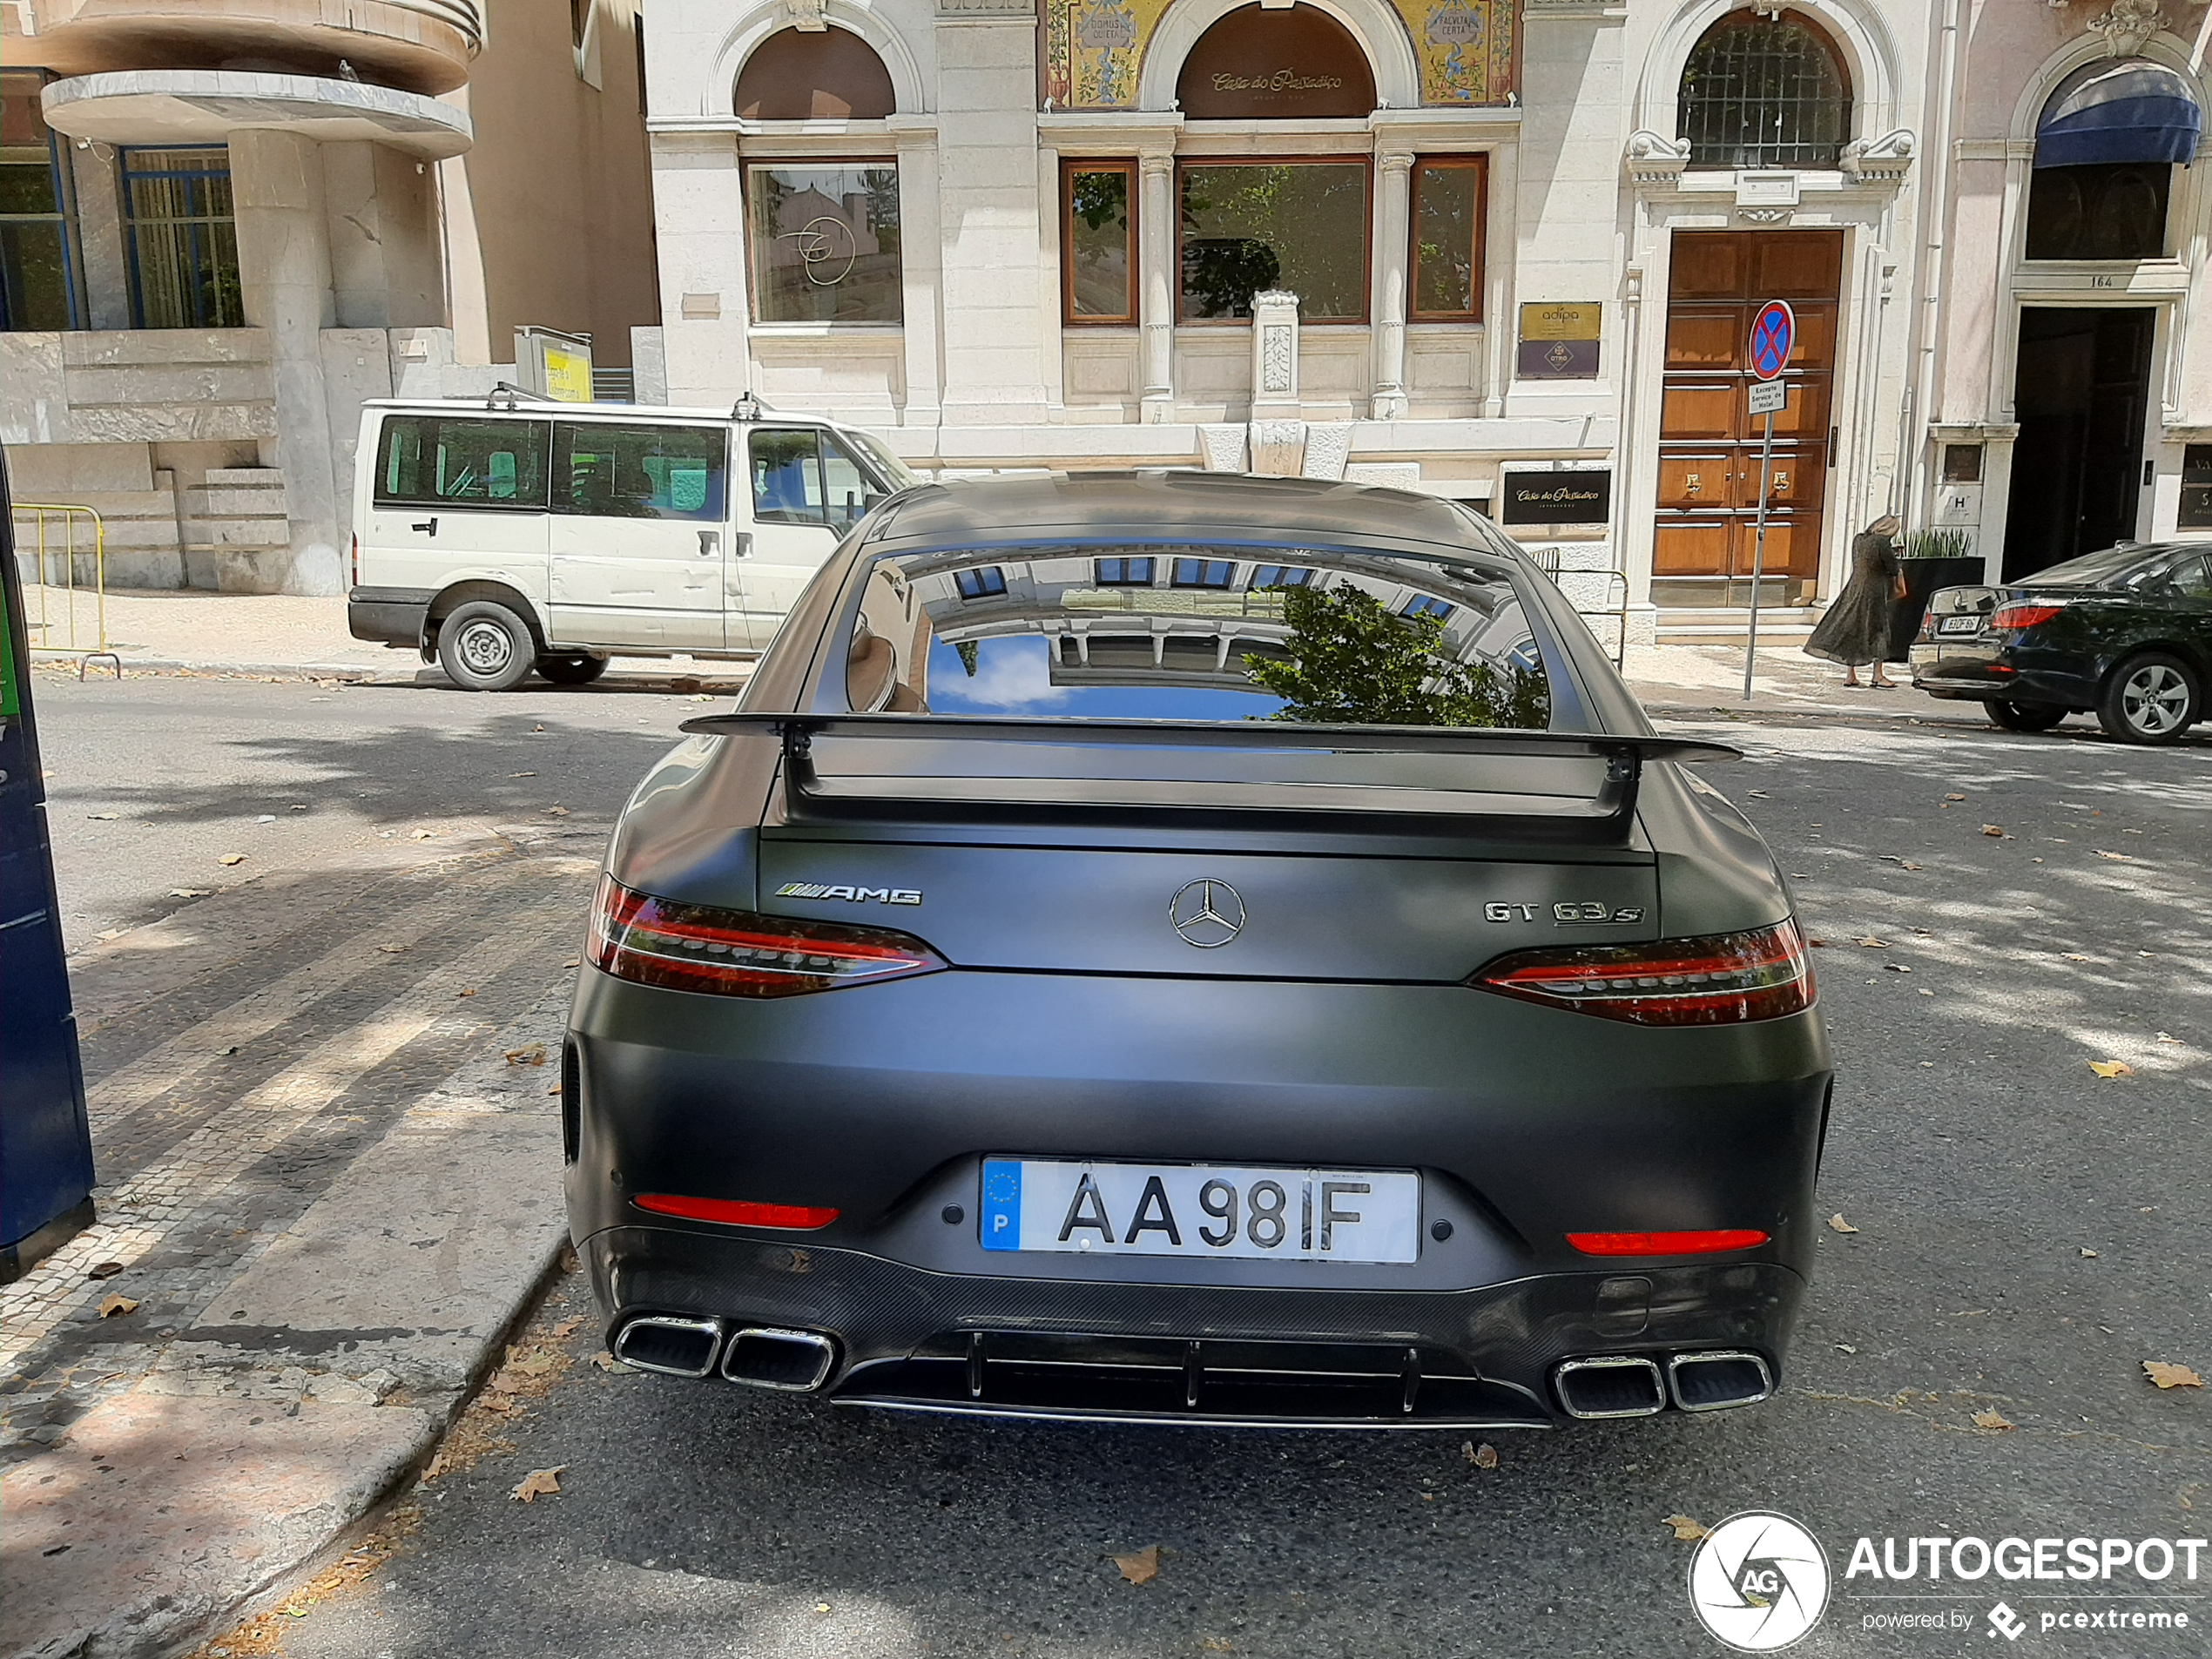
[1119, 633]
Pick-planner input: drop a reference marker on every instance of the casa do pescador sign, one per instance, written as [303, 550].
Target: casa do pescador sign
[1579, 497]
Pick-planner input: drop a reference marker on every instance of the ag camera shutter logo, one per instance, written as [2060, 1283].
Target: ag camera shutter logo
[1758, 1582]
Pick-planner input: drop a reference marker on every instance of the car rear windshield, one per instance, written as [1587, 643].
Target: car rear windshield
[1184, 631]
[2095, 569]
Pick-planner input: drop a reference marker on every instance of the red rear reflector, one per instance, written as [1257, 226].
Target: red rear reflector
[738, 952]
[1693, 1243]
[736, 1212]
[2024, 616]
[1723, 979]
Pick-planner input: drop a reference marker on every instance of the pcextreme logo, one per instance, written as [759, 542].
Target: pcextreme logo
[1758, 1582]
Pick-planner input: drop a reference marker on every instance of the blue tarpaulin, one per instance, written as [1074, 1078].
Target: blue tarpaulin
[2119, 110]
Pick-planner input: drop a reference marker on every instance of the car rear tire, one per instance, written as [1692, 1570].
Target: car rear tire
[577, 668]
[2153, 697]
[2025, 716]
[485, 647]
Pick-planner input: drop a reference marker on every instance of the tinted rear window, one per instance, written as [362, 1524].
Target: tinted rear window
[2093, 570]
[1196, 633]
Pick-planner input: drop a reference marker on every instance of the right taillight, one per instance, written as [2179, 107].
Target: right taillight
[2016, 617]
[1722, 979]
[741, 953]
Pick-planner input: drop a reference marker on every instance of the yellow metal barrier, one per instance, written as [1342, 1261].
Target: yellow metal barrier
[64, 550]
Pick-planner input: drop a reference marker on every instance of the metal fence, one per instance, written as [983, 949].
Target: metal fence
[65, 561]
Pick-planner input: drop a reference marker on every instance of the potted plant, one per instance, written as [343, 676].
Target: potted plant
[1931, 559]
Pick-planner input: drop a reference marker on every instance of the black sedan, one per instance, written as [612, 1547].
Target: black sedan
[1185, 949]
[2127, 633]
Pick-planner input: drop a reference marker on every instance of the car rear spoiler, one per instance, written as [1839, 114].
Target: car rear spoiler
[1611, 808]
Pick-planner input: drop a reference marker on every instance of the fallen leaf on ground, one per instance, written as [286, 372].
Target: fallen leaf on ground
[2118, 858]
[1756, 794]
[1213, 1644]
[2111, 1069]
[1846, 1347]
[1484, 1456]
[110, 1305]
[423, 835]
[1837, 1223]
[556, 811]
[1954, 797]
[111, 932]
[2091, 1254]
[101, 815]
[1996, 1420]
[573, 961]
[532, 1055]
[2076, 956]
[1897, 967]
[523, 774]
[1872, 943]
[467, 993]
[567, 1326]
[1686, 1530]
[394, 949]
[506, 1382]
[535, 1362]
[231, 858]
[104, 1269]
[1141, 1568]
[1817, 944]
[437, 1468]
[539, 1483]
[188, 893]
[2164, 1036]
[2171, 1376]
[1996, 830]
[611, 1365]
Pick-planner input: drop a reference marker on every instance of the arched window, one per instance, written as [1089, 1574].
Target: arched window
[1262, 63]
[1764, 91]
[821, 75]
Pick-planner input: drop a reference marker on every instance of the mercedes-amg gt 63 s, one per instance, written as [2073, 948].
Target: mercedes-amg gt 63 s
[1186, 948]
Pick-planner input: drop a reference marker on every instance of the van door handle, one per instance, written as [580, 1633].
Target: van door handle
[429, 526]
[710, 543]
[741, 546]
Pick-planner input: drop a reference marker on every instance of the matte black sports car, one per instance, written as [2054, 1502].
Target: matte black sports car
[2127, 632]
[1184, 947]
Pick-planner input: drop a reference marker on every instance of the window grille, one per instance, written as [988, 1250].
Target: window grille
[1764, 92]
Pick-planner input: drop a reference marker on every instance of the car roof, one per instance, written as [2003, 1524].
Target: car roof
[496, 404]
[1168, 505]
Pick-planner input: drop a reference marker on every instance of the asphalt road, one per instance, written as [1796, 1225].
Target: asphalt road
[2028, 1233]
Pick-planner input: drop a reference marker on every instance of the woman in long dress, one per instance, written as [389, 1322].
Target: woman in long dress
[1856, 628]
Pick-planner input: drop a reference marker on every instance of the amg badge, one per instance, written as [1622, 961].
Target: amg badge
[858, 895]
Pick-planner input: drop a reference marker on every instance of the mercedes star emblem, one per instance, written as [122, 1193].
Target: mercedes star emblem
[1207, 913]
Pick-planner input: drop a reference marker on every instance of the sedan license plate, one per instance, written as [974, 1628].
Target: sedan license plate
[1200, 1210]
[1960, 625]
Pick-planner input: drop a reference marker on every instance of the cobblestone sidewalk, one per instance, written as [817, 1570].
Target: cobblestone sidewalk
[329, 1166]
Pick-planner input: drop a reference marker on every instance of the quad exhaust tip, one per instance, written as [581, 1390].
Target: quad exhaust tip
[671, 1346]
[796, 1362]
[1613, 1386]
[1714, 1381]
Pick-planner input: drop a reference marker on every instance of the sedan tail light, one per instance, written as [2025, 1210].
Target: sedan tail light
[2020, 616]
[739, 953]
[1721, 980]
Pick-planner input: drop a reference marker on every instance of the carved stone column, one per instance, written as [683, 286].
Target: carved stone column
[1155, 274]
[1394, 239]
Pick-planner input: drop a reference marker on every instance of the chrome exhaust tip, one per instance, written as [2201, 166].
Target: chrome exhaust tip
[671, 1346]
[1717, 1381]
[795, 1362]
[1610, 1385]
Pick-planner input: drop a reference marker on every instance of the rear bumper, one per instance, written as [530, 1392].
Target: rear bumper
[1978, 673]
[389, 616]
[1524, 1123]
[908, 1339]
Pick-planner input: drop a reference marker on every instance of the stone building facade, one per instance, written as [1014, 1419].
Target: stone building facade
[1502, 250]
[226, 225]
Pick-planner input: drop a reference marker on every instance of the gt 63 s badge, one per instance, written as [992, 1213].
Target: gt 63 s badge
[1564, 915]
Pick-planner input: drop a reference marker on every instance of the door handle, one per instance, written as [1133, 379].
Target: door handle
[710, 543]
[428, 526]
[741, 545]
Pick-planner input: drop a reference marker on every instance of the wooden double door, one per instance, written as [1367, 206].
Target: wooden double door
[1708, 444]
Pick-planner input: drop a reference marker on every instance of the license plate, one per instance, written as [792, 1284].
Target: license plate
[1960, 625]
[1200, 1210]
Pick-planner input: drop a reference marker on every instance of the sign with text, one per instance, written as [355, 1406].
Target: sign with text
[1768, 396]
[1581, 497]
[1559, 340]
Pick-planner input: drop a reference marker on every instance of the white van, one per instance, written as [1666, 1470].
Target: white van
[500, 537]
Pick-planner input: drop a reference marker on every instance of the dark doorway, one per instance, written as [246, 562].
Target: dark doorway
[2082, 392]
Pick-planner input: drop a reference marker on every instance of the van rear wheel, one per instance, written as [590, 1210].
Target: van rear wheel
[485, 647]
[572, 668]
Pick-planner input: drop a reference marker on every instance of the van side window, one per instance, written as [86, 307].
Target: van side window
[805, 477]
[438, 460]
[609, 471]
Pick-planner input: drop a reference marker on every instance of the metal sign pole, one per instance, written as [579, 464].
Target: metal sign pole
[1759, 551]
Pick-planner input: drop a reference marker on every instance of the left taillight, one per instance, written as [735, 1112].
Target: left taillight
[1722, 979]
[740, 952]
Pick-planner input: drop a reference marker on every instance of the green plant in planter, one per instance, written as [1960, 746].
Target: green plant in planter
[1948, 543]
